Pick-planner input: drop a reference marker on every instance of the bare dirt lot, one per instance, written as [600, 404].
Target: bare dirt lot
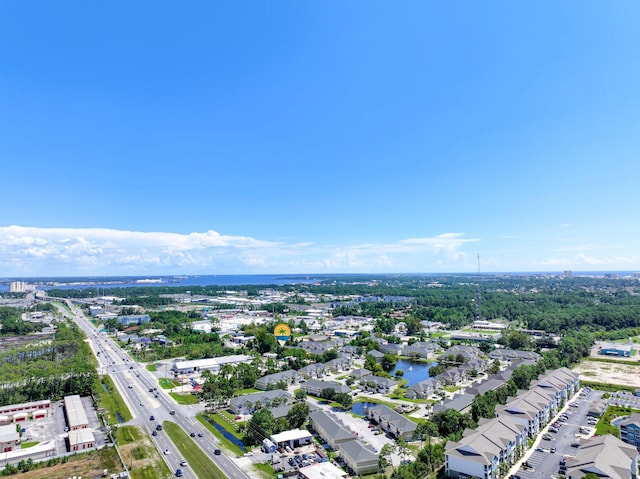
[609, 373]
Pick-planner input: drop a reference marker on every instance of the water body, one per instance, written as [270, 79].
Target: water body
[166, 281]
[359, 408]
[414, 371]
[227, 435]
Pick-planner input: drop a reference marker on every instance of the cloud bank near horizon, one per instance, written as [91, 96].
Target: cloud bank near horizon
[33, 251]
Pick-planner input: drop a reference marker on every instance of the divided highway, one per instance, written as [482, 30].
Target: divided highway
[139, 389]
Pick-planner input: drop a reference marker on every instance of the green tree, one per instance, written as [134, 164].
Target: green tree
[262, 425]
[297, 415]
[388, 362]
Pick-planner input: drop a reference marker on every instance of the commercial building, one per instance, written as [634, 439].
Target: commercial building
[81, 439]
[9, 438]
[208, 364]
[292, 438]
[74, 411]
[21, 412]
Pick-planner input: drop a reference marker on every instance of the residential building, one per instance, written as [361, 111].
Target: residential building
[361, 373]
[360, 458]
[376, 354]
[315, 387]
[313, 371]
[630, 430]
[273, 381]
[424, 389]
[480, 452]
[248, 403]
[330, 429]
[605, 456]
[378, 384]
[392, 422]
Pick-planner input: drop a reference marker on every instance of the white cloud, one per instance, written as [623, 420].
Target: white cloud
[26, 251]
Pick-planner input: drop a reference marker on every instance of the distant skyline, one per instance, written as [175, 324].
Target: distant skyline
[318, 137]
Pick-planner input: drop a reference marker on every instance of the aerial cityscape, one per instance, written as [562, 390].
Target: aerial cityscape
[319, 240]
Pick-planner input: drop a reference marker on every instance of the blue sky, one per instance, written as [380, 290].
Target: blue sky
[318, 137]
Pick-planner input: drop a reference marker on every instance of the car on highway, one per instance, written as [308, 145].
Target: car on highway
[200, 434]
[152, 418]
[193, 434]
[159, 427]
[217, 452]
[166, 452]
[178, 472]
[183, 463]
[154, 433]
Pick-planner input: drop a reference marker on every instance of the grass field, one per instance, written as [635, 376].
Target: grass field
[88, 464]
[111, 401]
[198, 461]
[140, 455]
[167, 383]
[185, 398]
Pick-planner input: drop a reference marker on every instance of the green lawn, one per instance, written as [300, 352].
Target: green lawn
[152, 368]
[24, 445]
[266, 470]
[185, 398]
[198, 461]
[604, 424]
[111, 401]
[168, 383]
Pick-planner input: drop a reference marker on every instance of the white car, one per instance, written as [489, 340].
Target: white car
[166, 451]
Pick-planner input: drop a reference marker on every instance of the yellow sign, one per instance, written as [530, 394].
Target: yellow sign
[282, 333]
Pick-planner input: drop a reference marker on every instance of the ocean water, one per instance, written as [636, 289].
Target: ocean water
[183, 280]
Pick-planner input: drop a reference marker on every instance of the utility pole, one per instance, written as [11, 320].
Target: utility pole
[478, 296]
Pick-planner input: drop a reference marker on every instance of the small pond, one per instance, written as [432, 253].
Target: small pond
[359, 408]
[414, 371]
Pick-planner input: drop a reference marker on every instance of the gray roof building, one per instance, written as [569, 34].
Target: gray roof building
[606, 456]
[360, 458]
[392, 422]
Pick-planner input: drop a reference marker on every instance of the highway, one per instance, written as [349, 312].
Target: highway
[140, 390]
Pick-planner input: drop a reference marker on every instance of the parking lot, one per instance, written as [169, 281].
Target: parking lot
[573, 427]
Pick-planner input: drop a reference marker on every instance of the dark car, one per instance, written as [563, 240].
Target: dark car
[193, 434]
[151, 418]
[217, 452]
[178, 472]
[154, 433]
[200, 434]
[159, 427]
